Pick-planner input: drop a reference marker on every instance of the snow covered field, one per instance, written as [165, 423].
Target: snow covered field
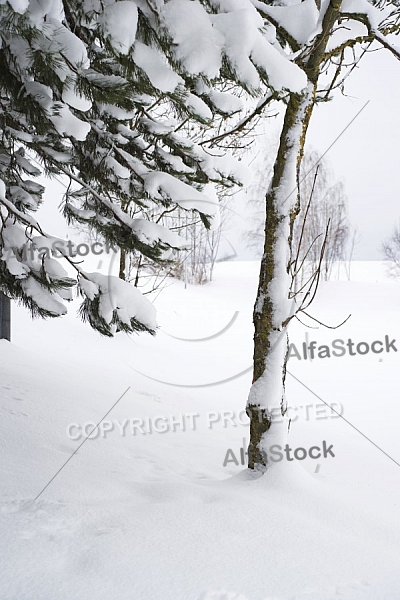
[156, 515]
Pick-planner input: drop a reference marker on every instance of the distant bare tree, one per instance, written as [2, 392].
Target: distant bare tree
[322, 202]
[355, 239]
[328, 204]
[391, 251]
[194, 265]
[203, 244]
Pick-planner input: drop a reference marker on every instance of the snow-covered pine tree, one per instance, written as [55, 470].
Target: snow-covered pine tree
[105, 94]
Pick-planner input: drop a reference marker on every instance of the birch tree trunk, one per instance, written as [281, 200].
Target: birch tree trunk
[273, 308]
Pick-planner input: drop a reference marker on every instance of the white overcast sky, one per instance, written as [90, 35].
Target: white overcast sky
[366, 156]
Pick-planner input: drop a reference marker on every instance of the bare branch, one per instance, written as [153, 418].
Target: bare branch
[305, 218]
[244, 122]
[324, 324]
[381, 39]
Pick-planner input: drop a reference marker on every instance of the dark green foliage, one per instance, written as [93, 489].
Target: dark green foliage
[74, 104]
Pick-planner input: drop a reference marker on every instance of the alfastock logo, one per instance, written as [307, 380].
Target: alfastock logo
[340, 348]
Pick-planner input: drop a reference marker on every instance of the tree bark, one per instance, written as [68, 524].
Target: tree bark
[272, 307]
[122, 264]
[5, 317]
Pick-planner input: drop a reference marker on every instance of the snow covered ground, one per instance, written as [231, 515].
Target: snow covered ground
[157, 516]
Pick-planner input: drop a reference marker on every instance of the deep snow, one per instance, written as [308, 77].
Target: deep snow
[157, 516]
